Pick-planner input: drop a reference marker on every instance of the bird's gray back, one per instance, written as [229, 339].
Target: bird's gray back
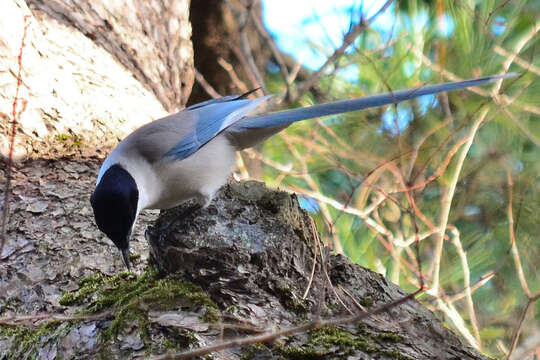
[153, 140]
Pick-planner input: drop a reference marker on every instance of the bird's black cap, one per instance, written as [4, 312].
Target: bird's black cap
[115, 206]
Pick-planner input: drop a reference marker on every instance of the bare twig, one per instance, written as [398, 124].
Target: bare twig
[355, 302]
[246, 48]
[273, 48]
[515, 251]
[447, 201]
[472, 288]
[492, 12]
[452, 313]
[323, 267]
[313, 185]
[515, 337]
[39, 318]
[353, 33]
[519, 46]
[524, 64]
[363, 214]
[15, 116]
[447, 74]
[232, 74]
[316, 246]
[467, 283]
[205, 85]
[241, 57]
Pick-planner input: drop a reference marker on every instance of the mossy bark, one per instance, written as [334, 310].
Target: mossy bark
[239, 267]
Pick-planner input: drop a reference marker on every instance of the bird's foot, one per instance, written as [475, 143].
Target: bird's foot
[164, 230]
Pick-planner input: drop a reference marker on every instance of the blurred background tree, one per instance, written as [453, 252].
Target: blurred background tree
[444, 189]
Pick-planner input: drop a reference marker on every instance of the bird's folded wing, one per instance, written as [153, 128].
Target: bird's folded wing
[210, 120]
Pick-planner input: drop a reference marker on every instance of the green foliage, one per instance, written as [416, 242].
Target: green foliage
[364, 160]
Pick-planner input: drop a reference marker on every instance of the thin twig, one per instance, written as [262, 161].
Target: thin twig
[206, 85]
[323, 266]
[350, 37]
[273, 48]
[232, 74]
[447, 201]
[515, 251]
[32, 319]
[483, 280]
[313, 185]
[355, 302]
[447, 74]
[517, 331]
[524, 64]
[466, 283]
[517, 49]
[452, 313]
[316, 246]
[15, 117]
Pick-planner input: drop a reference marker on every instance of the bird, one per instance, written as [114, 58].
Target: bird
[190, 154]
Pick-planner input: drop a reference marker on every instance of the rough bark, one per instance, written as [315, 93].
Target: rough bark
[237, 268]
[91, 72]
[253, 250]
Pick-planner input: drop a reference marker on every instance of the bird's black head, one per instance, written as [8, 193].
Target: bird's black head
[115, 206]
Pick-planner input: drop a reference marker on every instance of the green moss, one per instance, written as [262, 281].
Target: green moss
[365, 341]
[10, 303]
[289, 300]
[251, 350]
[395, 355]
[26, 339]
[388, 336]
[134, 256]
[331, 342]
[231, 309]
[323, 343]
[62, 137]
[347, 342]
[299, 353]
[77, 141]
[70, 140]
[128, 315]
[131, 297]
[367, 302]
[171, 339]
[90, 285]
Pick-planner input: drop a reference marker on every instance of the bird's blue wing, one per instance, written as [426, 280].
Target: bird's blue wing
[212, 117]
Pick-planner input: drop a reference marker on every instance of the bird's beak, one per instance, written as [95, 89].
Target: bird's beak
[125, 257]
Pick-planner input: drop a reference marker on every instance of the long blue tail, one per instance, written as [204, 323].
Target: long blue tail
[343, 106]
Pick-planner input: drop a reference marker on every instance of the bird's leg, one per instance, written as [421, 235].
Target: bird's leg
[201, 202]
[164, 230]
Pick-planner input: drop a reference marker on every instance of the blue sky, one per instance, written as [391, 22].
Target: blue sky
[294, 23]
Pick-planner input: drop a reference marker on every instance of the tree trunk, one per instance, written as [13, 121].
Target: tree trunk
[90, 72]
[249, 263]
[224, 34]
